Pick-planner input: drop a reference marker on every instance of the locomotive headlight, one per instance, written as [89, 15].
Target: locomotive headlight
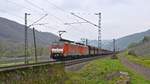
[57, 50]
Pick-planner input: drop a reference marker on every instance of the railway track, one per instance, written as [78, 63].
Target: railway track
[22, 66]
[77, 61]
[66, 63]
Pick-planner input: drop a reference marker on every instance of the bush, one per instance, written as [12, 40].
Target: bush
[132, 52]
[146, 39]
[132, 45]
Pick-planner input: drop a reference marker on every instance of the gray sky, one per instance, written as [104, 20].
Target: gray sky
[119, 17]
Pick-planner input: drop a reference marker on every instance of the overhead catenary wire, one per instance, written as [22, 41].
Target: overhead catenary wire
[21, 5]
[59, 19]
[51, 27]
[36, 6]
[56, 28]
[61, 9]
[12, 14]
[47, 12]
[38, 20]
[84, 19]
[68, 12]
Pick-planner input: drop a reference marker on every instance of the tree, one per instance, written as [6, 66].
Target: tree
[146, 39]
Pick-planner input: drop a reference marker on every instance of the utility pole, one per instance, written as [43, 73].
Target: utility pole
[26, 39]
[35, 49]
[83, 40]
[86, 41]
[114, 45]
[26, 35]
[99, 31]
[114, 49]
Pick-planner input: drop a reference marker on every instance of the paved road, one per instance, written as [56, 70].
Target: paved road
[136, 67]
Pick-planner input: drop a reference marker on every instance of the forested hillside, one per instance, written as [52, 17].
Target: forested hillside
[12, 37]
[141, 48]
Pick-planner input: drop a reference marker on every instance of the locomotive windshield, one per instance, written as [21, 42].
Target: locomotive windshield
[57, 44]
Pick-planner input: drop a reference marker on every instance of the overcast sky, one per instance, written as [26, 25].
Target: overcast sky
[119, 17]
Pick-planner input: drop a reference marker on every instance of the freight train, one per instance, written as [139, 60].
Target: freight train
[65, 49]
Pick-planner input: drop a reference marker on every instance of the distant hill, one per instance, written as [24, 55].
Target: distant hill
[106, 44]
[13, 33]
[124, 42]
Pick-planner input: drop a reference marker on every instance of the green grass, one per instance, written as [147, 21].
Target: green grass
[142, 60]
[10, 64]
[97, 71]
[47, 74]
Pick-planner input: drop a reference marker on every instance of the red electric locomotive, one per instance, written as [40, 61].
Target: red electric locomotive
[68, 49]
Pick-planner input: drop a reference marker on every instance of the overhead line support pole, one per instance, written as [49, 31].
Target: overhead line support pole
[114, 45]
[35, 48]
[114, 49]
[34, 23]
[26, 39]
[99, 31]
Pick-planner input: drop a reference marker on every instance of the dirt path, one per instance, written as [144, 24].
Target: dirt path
[136, 67]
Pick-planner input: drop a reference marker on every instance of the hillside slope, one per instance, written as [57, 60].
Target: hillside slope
[106, 44]
[122, 43]
[12, 32]
[12, 39]
[142, 48]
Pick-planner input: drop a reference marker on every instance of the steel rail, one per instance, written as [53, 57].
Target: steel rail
[21, 66]
[78, 61]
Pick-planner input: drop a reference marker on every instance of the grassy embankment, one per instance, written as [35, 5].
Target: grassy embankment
[10, 64]
[97, 71]
[48, 74]
[17, 53]
[142, 60]
[139, 52]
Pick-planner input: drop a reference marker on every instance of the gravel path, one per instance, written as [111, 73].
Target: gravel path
[136, 67]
